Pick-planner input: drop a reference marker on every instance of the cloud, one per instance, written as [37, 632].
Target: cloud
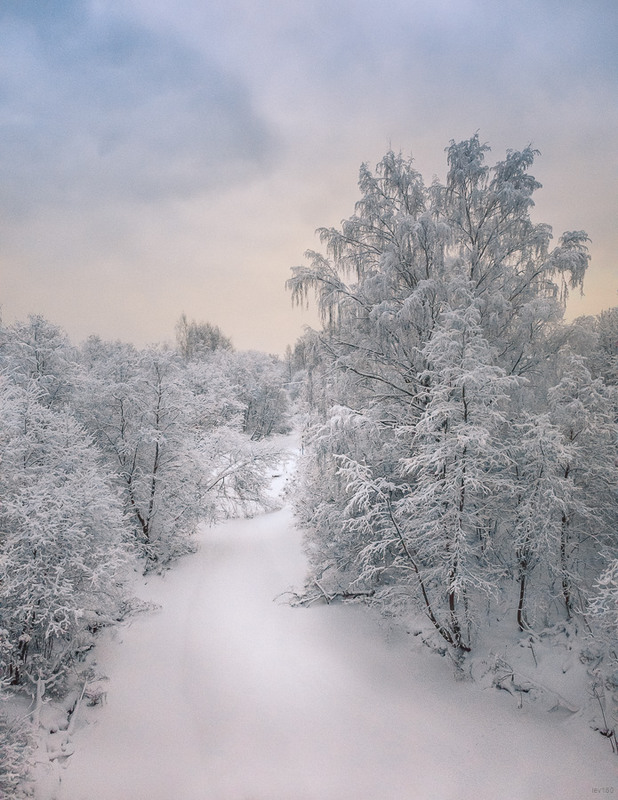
[96, 108]
[169, 156]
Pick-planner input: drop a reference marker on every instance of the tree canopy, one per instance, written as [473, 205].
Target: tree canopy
[458, 442]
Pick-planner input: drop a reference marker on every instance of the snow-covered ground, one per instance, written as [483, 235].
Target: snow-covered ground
[228, 693]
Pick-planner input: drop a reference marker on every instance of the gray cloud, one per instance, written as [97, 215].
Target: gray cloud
[165, 156]
[95, 108]
[458, 43]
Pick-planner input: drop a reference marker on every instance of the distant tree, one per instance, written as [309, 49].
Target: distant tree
[303, 368]
[213, 385]
[197, 339]
[596, 340]
[236, 467]
[259, 385]
[607, 331]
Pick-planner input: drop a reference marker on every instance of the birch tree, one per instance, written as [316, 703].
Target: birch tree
[171, 432]
[584, 411]
[417, 276]
[139, 409]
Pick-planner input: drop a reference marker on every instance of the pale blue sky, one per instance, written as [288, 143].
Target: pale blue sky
[159, 157]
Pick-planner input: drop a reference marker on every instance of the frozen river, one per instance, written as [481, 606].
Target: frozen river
[229, 694]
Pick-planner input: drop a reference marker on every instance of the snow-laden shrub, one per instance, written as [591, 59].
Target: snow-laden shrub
[16, 746]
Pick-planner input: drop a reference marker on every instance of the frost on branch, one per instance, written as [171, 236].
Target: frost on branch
[460, 446]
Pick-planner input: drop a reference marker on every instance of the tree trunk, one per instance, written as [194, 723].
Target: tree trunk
[521, 621]
[566, 583]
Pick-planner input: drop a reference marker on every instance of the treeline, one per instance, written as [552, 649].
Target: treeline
[110, 457]
[461, 447]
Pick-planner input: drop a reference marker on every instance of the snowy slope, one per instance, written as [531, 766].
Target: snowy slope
[229, 694]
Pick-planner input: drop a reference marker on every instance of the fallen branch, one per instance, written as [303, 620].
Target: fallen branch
[307, 599]
[327, 597]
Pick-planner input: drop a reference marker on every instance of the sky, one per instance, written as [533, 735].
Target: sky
[160, 157]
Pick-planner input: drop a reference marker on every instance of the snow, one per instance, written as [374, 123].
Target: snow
[229, 693]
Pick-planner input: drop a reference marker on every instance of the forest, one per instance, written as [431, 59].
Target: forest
[110, 458]
[459, 462]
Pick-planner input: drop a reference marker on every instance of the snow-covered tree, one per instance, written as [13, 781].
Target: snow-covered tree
[596, 340]
[37, 350]
[170, 431]
[545, 497]
[259, 385]
[607, 332]
[432, 522]
[196, 340]
[387, 272]
[441, 308]
[62, 553]
[139, 409]
[458, 464]
[584, 410]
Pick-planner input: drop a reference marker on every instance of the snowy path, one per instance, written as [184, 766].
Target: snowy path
[227, 695]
